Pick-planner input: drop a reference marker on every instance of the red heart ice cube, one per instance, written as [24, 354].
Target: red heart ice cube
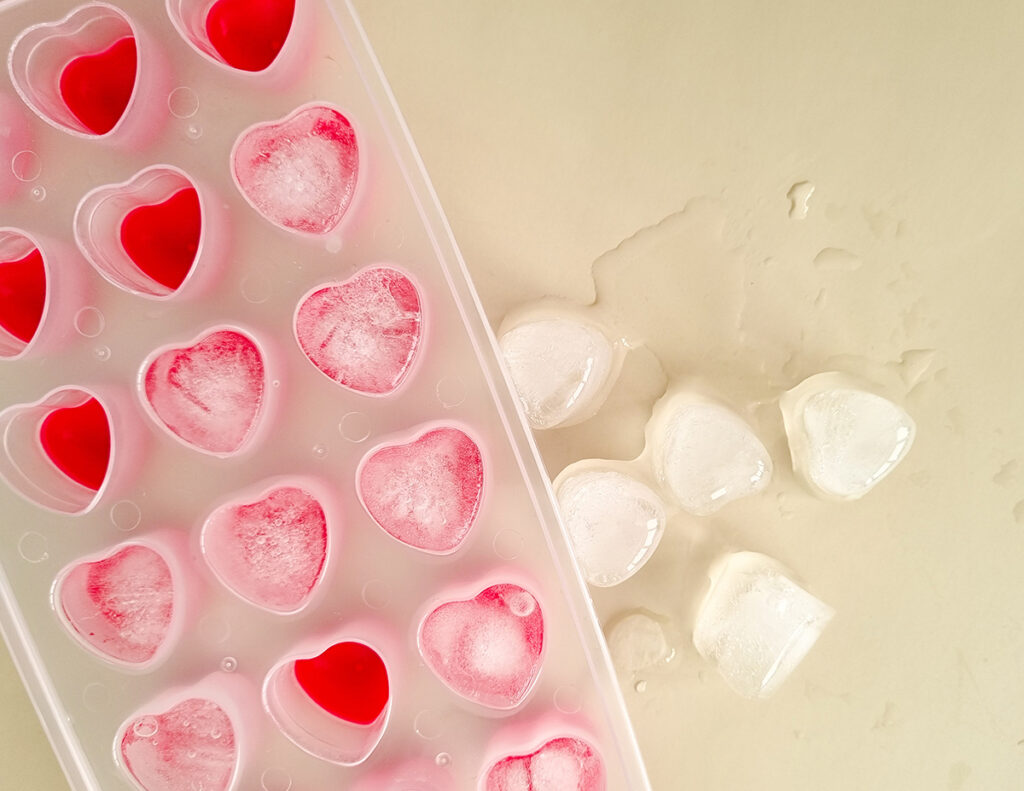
[162, 239]
[561, 764]
[209, 394]
[190, 746]
[348, 680]
[121, 606]
[426, 493]
[249, 34]
[362, 333]
[96, 87]
[271, 552]
[22, 295]
[489, 648]
[299, 172]
[77, 440]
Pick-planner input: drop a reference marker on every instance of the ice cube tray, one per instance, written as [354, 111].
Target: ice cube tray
[211, 675]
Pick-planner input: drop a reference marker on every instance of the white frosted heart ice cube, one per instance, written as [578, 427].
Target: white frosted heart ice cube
[708, 456]
[560, 368]
[844, 440]
[756, 625]
[614, 523]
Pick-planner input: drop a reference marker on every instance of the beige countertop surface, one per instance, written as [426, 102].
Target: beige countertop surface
[644, 155]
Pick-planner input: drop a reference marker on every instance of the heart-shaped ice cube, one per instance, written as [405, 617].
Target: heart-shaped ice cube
[22, 294]
[94, 74]
[299, 172]
[427, 492]
[271, 552]
[362, 333]
[163, 238]
[120, 606]
[192, 745]
[488, 649]
[348, 680]
[565, 763]
[209, 394]
[77, 440]
[249, 34]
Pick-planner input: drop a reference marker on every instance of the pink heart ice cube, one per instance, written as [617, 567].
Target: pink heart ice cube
[270, 552]
[426, 493]
[120, 606]
[299, 172]
[190, 746]
[562, 764]
[362, 333]
[210, 394]
[487, 649]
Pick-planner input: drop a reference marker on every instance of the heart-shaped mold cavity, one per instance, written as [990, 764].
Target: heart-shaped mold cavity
[333, 704]
[299, 172]
[425, 492]
[94, 74]
[23, 291]
[488, 648]
[362, 333]
[209, 394]
[565, 763]
[271, 549]
[268, 39]
[154, 235]
[194, 738]
[127, 604]
[60, 452]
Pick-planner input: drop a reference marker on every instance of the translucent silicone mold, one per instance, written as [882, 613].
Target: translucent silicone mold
[272, 544]
[424, 488]
[486, 642]
[364, 333]
[199, 737]
[128, 604]
[36, 307]
[15, 138]
[74, 74]
[333, 696]
[265, 40]
[160, 234]
[299, 172]
[65, 451]
[212, 393]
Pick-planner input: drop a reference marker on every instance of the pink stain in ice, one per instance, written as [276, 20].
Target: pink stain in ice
[300, 172]
[563, 764]
[489, 648]
[271, 552]
[191, 746]
[362, 333]
[425, 493]
[209, 394]
[121, 605]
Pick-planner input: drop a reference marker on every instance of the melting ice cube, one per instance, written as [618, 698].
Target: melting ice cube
[638, 642]
[844, 440]
[756, 624]
[614, 522]
[488, 648]
[561, 764]
[708, 456]
[560, 368]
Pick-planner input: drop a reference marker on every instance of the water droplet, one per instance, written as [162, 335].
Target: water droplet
[508, 544]
[376, 594]
[89, 322]
[276, 780]
[640, 686]
[521, 604]
[26, 166]
[145, 727]
[799, 199]
[183, 102]
[355, 427]
[229, 664]
[451, 391]
[192, 753]
[32, 547]
[194, 132]
[214, 629]
[101, 353]
[125, 515]
[95, 696]
[38, 194]
[333, 245]
[833, 259]
[428, 724]
[568, 699]
[443, 759]
[320, 451]
[256, 288]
